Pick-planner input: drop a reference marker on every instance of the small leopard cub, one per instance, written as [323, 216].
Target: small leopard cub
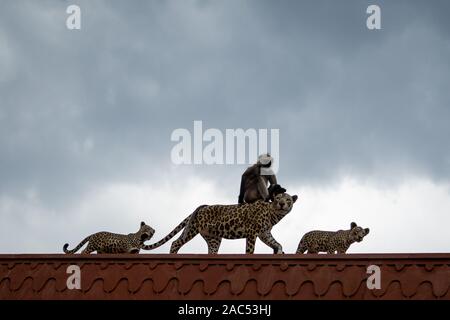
[107, 242]
[329, 242]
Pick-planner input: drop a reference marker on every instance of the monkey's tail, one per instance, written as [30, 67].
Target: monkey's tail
[177, 229]
[77, 247]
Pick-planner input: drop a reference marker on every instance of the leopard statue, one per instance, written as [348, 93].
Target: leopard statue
[107, 242]
[330, 242]
[248, 220]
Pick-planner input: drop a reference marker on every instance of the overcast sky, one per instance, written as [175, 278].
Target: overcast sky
[86, 117]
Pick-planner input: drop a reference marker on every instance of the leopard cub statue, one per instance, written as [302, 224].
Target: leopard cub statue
[236, 221]
[331, 241]
[107, 242]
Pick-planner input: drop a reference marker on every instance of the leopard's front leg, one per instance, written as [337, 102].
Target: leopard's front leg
[342, 250]
[268, 239]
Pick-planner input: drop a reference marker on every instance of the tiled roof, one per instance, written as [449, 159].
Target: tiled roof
[160, 276]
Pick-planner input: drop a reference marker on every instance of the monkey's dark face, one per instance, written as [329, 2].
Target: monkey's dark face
[275, 189]
[284, 202]
[267, 165]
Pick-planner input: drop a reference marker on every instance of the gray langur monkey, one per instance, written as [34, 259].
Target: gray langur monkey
[254, 184]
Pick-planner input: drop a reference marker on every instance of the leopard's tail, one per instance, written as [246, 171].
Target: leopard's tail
[177, 229]
[77, 247]
[301, 246]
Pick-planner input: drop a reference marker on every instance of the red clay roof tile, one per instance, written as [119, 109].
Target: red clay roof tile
[146, 276]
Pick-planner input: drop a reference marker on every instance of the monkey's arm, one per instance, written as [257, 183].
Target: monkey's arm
[273, 179]
[261, 186]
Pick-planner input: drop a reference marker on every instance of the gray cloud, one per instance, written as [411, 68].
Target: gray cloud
[80, 108]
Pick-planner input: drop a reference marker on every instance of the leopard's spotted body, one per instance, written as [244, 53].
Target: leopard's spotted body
[107, 242]
[330, 242]
[232, 222]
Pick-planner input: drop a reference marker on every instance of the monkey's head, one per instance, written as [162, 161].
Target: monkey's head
[283, 202]
[265, 160]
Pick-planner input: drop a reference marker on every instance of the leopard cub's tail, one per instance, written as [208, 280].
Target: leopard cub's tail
[77, 247]
[301, 246]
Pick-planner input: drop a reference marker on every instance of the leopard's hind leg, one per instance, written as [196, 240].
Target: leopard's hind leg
[89, 249]
[213, 243]
[183, 239]
[313, 248]
[250, 244]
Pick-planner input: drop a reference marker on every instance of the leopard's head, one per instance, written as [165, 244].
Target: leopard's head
[283, 202]
[146, 232]
[357, 233]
